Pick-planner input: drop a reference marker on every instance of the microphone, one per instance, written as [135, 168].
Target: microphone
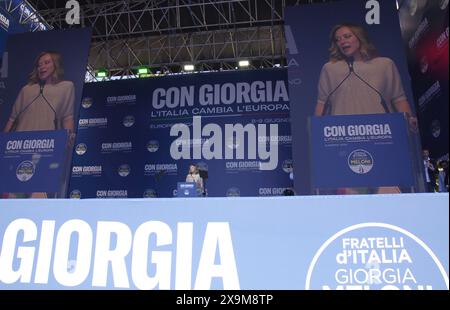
[41, 93]
[382, 102]
[350, 60]
[327, 105]
[41, 86]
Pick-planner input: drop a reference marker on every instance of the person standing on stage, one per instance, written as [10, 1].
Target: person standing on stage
[194, 177]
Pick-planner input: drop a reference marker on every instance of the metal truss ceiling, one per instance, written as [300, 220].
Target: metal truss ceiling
[165, 35]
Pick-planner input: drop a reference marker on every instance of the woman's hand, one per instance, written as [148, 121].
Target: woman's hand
[413, 123]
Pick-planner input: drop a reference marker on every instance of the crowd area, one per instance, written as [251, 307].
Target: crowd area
[436, 173]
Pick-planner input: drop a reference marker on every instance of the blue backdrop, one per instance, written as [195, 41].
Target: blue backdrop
[123, 141]
[361, 151]
[17, 17]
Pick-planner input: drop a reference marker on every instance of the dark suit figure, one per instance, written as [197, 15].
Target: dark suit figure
[429, 171]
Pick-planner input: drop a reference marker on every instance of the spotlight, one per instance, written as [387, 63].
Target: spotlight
[189, 67]
[144, 72]
[244, 63]
[102, 73]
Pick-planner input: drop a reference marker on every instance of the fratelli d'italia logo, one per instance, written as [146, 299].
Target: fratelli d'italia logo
[233, 192]
[25, 171]
[375, 256]
[87, 102]
[128, 121]
[288, 166]
[75, 194]
[360, 161]
[153, 146]
[150, 193]
[124, 170]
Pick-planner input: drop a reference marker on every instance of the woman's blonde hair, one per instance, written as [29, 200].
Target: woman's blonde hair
[196, 170]
[367, 49]
[57, 76]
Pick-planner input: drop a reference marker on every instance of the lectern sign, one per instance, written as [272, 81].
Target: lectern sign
[32, 161]
[360, 151]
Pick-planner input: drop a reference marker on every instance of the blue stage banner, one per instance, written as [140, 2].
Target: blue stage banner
[361, 151]
[32, 161]
[367, 242]
[130, 134]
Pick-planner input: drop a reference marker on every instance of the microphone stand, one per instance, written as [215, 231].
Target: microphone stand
[42, 85]
[41, 93]
[350, 61]
[382, 102]
[16, 121]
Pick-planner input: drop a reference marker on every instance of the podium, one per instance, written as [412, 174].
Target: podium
[187, 189]
[34, 161]
[361, 151]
